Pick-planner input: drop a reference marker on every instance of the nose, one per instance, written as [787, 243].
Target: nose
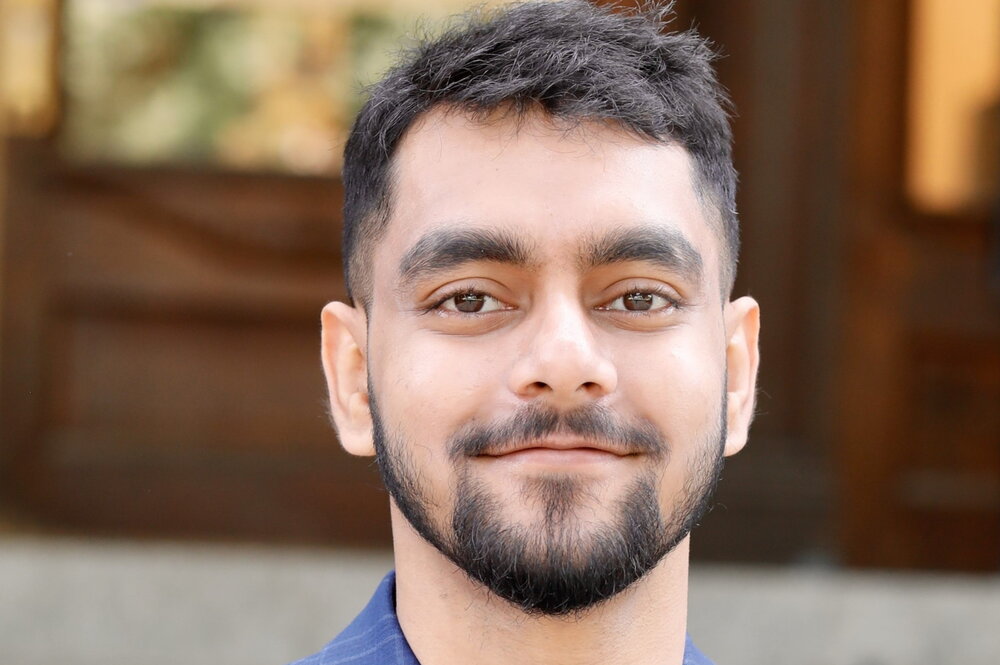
[562, 361]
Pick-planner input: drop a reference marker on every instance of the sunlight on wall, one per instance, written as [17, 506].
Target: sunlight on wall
[27, 66]
[954, 105]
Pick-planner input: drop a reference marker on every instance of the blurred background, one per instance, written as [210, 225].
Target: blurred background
[169, 230]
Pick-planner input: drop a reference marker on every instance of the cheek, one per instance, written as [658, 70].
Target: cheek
[428, 387]
[680, 389]
[431, 384]
[677, 384]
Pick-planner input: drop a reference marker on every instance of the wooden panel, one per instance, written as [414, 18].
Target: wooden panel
[919, 460]
[189, 385]
[161, 356]
[775, 503]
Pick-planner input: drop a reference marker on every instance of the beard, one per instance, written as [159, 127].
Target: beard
[555, 567]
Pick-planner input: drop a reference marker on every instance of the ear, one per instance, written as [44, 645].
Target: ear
[346, 369]
[742, 357]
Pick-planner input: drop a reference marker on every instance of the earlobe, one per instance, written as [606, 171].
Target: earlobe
[742, 360]
[346, 370]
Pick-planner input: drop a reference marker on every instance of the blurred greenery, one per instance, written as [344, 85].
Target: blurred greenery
[249, 88]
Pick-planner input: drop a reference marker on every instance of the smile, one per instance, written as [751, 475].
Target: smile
[558, 454]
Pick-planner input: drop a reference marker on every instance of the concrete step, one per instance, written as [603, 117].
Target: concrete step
[108, 603]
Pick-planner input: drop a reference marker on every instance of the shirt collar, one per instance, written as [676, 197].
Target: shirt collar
[375, 637]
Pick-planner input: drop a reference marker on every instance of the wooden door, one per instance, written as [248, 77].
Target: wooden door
[877, 439]
[919, 453]
[160, 367]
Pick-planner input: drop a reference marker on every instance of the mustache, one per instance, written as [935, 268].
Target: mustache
[595, 424]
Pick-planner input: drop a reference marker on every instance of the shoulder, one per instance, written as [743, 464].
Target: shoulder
[692, 656]
[373, 637]
[360, 646]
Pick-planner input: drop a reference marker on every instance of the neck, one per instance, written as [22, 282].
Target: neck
[449, 619]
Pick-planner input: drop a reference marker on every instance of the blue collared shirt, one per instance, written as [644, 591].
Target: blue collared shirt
[375, 638]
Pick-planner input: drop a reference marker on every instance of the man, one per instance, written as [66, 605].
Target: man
[540, 241]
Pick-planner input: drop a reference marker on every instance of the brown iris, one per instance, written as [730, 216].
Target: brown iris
[469, 302]
[638, 302]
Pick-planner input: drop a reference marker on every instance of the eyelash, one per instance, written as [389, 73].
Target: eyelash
[673, 302]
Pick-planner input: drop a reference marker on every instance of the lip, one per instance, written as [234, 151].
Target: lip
[560, 456]
[560, 449]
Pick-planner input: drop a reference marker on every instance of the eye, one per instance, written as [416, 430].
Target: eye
[640, 301]
[471, 302]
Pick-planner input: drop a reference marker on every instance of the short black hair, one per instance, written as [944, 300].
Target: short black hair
[570, 59]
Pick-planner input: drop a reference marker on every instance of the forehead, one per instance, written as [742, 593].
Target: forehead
[553, 185]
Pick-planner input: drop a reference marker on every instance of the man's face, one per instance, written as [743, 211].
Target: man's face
[547, 352]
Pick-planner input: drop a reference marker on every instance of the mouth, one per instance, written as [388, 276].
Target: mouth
[559, 450]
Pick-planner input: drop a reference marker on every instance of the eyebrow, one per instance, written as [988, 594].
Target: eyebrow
[445, 249]
[659, 245]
